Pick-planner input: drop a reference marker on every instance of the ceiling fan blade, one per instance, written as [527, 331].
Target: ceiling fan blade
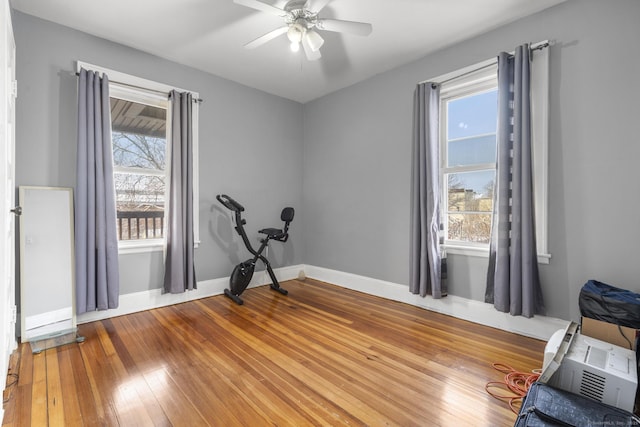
[351, 27]
[316, 6]
[265, 38]
[312, 55]
[263, 7]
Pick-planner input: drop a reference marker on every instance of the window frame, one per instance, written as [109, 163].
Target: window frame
[150, 92]
[472, 83]
[540, 136]
[139, 96]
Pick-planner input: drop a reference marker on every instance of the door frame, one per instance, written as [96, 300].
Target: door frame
[8, 92]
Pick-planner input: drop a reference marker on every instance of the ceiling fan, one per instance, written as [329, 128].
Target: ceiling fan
[301, 20]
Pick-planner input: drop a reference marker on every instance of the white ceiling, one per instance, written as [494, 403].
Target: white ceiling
[209, 35]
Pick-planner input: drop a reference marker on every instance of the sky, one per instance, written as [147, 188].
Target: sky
[471, 134]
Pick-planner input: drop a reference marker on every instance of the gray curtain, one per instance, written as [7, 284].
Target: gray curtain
[425, 258]
[96, 241]
[179, 268]
[513, 284]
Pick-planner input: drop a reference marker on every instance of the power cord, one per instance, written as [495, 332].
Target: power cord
[617, 322]
[516, 383]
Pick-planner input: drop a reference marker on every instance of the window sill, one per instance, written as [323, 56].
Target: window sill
[477, 251]
[143, 246]
[482, 252]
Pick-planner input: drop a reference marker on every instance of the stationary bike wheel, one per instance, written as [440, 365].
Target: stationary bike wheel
[240, 277]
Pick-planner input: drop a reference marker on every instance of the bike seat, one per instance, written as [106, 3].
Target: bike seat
[273, 233]
[281, 235]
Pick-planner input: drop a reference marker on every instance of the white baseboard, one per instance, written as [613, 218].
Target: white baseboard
[147, 300]
[540, 327]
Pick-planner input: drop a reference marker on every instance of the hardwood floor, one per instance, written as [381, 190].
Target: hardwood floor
[321, 356]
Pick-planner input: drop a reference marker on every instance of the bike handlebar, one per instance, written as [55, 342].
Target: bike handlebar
[229, 203]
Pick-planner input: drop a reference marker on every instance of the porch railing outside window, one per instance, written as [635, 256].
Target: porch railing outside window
[140, 225]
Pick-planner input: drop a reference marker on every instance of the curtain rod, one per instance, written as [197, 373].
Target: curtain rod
[198, 100]
[536, 46]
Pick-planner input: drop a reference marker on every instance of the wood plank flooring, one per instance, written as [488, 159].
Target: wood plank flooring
[321, 356]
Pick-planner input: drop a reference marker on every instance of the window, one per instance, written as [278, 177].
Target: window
[468, 117]
[139, 137]
[139, 123]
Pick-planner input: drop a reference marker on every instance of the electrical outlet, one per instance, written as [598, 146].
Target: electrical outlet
[14, 314]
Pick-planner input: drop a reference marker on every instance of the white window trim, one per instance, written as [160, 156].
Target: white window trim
[132, 86]
[540, 130]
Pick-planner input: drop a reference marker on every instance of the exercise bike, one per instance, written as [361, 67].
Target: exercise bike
[242, 273]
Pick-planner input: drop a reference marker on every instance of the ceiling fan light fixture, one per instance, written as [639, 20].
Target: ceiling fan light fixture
[294, 33]
[294, 46]
[310, 53]
[314, 39]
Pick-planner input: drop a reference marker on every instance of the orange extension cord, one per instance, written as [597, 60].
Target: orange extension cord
[516, 383]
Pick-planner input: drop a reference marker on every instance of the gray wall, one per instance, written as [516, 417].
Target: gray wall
[250, 143]
[347, 170]
[357, 151]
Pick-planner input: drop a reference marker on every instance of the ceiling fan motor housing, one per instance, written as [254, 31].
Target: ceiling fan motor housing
[298, 15]
[295, 5]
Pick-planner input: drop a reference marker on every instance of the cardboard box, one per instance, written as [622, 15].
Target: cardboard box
[614, 334]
